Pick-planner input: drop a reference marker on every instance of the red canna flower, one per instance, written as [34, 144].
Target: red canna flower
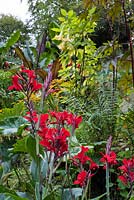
[16, 85]
[43, 120]
[66, 118]
[109, 158]
[93, 165]
[74, 120]
[30, 73]
[55, 140]
[81, 158]
[123, 179]
[81, 178]
[31, 117]
[127, 170]
[25, 80]
[34, 85]
[61, 117]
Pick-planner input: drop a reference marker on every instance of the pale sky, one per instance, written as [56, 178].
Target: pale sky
[15, 7]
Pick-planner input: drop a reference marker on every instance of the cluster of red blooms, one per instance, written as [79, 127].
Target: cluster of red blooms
[80, 160]
[55, 138]
[25, 81]
[54, 135]
[109, 158]
[127, 170]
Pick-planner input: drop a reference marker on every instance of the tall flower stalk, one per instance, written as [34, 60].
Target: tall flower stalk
[108, 148]
[81, 160]
[109, 158]
[25, 81]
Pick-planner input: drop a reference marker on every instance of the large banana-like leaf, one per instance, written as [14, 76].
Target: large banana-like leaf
[12, 125]
[10, 42]
[21, 55]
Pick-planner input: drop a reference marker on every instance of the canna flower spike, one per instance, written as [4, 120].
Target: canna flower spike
[25, 81]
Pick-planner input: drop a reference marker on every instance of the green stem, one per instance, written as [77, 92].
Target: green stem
[37, 145]
[51, 171]
[58, 164]
[107, 182]
[84, 196]
[50, 174]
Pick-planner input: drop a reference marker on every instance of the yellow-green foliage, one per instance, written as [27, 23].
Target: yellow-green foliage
[16, 111]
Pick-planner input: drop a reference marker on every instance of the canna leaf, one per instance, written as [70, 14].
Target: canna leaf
[13, 39]
[21, 55]
[10, 42]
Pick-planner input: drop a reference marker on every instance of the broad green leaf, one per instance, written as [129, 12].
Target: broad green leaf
[14, 112]
[21, 129]
[28, 145]
[20, 146]
[56, 29]
[61, 19]
[34, 169]
[13, 39]
[63, 12]
[31, 147]
[70, 13]
[12, 125]
[10, 42]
